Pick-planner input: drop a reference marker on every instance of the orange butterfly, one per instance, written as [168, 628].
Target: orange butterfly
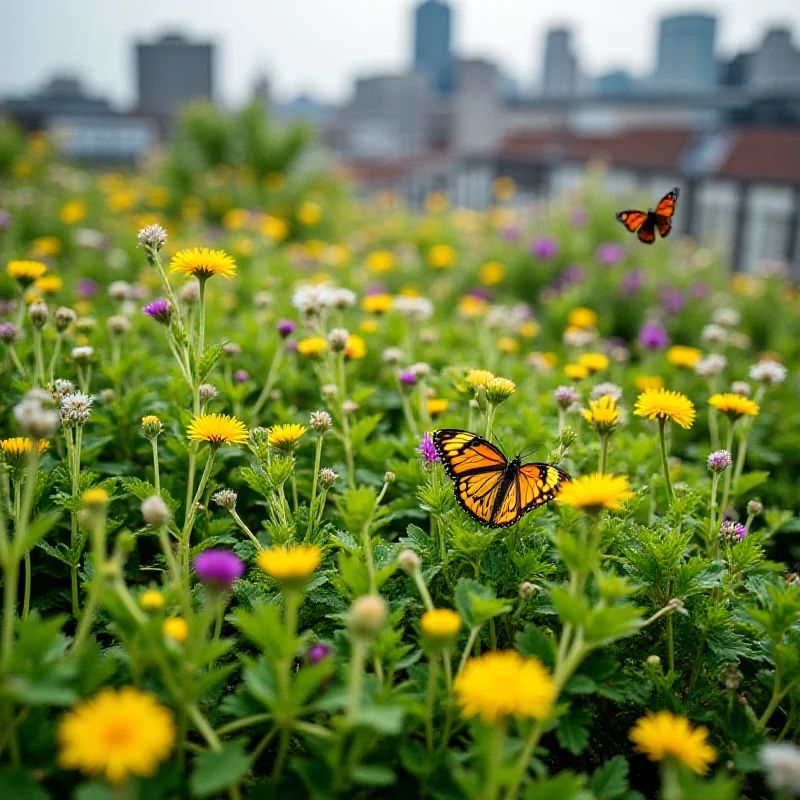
[645, 223]
[490, 488]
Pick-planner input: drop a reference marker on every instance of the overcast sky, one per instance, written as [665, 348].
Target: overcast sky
[318, 46]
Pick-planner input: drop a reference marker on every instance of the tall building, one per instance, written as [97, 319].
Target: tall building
[685, 61]
[560, 68]
[775, 66]
[433, 48]
[614, 82]
[172, 72]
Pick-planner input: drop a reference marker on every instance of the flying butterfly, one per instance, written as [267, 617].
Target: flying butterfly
[490, 488]
[645, 223]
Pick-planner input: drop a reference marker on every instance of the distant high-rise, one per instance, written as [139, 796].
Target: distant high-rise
[172, 72]
[433, 51]
[614, 82]
[775, 66]
[685, 61]
[560, 68]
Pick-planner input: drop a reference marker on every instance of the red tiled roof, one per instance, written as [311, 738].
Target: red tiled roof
[763, 154]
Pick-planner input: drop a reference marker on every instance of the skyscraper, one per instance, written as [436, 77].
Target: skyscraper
[685, 61]
[560, 68]
[172, 72]
[433, 52]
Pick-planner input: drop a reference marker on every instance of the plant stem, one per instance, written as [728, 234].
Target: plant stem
[54, 357]
[269, 382]
[355, 680]
[473, 635]
[713, 538]
[665, 458]
[314, 482]
[726, 490]
[189, 524]
[38, 352]
[494, 759]
[430, 700]
[601, 463]
[490, 412]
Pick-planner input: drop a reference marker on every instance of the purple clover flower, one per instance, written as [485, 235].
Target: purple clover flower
[319, 652]
[578, 218]
[160, 310]
[86, 288]
[7, 306]
[286, 327]
[291, 345]
[573, 273]
[8, 332]
[732, 532]
[5, 219]
[631, 283]
[699, 289]
[653, 336]
[511, 233]
[429, 454]
[609, 253]
[480, 293]
[565, 396]
[543, 248]
[218, 569]
[672, 301]
[241, 376]
[376, 287]
[407, 378]
[719, 461]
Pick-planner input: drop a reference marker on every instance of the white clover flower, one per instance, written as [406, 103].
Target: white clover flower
[119, 290]
[782, 763]
[579, 338]
[729, 317]
[711, 366]
[769, 372]
[75, 409]
[607, 389]
[714, 334]
[83, 353]
[418, 309]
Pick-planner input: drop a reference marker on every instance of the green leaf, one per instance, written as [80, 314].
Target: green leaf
[372, 775]
[749, 481]
[383, 719]
[564, 786]
[606, 625]
[20, 783]
[94, 790]
[363, 428]
[580, 684]
[40, 527]
[476, 603]
[208, 360]
[611, 779]
[569, 607]
[533, 641]
[573, 731]
[216, 771]
[264, 628]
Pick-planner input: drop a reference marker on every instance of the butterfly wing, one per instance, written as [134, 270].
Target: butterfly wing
[538, 484]
[476, 468]
[647, 231]
[632, 220]
[664, 211]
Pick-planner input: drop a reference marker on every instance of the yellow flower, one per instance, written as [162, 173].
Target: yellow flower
[151, 600]
[581, 317]
[734, 405]
[576, 372]
[478, 379]
[377, 303]
[17, 450]
[504, 187]
[235, 219]
[45, 246]
[594, 362]
[381, 261]
[499, 685]
[217, 429]
[356, 347]
[661, 735]
[499, 389]
[151, 426]
[312, 346]
[441, 256]
[192, 208]
[662, 405]
[471, 306]
[203, 263]
[602, 414]
[309, 212]
[158, 196]
[95, 497]
[437, 405]
[368, 326]
[412, 291]
[491, 273]
[122, 200]
[26, 272]
[116, 734]
[72, 212]
[440, 625]
[436, 202]
[644, 382]
[595, 492]
[681, 356]
[176, 628]
[49, 283]
[505, 344]
[290, 565]
[747, 285]
[543, 360]
[529, 329]
[337, 255]
[285, 437]
[275, 228]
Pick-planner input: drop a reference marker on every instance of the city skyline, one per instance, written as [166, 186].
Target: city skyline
[320, 52]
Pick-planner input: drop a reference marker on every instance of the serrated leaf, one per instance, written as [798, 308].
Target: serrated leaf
[215, 771]
[363, 428]
[209, 359]
[383, 719]
[573, 731]
[611, 779]
[533, 641]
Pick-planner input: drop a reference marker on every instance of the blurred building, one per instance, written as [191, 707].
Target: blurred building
[615, 81]
[560, 66]
[685, 59]
[433, 51]
[775, 65]
[172, 72]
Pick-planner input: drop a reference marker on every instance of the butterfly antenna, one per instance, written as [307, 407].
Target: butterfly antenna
[530, 453]
[498, 441]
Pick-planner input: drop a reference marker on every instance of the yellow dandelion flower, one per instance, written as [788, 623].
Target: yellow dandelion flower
[122, 200]
[49, 284]
[499, 389]
[436, 405]
[645, 382]
[285, 437]
[505, 344]
[380, 261]
[368, 326]
[581, 317]
[45, 246]
[504, 187]
[274, 228]
[337, 255]
[312, 346]
[543, 361]
[116, 734]
[292, 566]
[491, 273]
[478, 379]
[377, 303]
[95, 497]
[602, 414]
[309, 213]
[176, 628]
[151, 426]
[151, 600]
[472, 307]
[72, 212]
[747, 285]
[663, 735]
[662, 405]
[17, 450]
[235, 219]
[158, 196]
[411, 291]
[203, 263]
[576, 372]
[26, 272]
[529, 329]
[734, 405]
[595, 492]
[499, 685]
[356, 347]
[441, 256]
[217, 429]
[594, 362]
[680, 355]
[441, 625]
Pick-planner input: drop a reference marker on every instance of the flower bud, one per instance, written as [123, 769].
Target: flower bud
[118, 325]
[36, 419]
[155, 511]
[421, 369]
[38, 314]
[337, 339]
[176, 628]
[153, 237]
[653, 661]
[409, 561]
[719, 461]
[389, 477]
[349, 407]
[225, 498]
[755, 507]
[440, 628]
[526, 589]
[327, 477]
[207, 391]
[320, 422]
[82, 355]
[368, 616]
[151, 600]
[565, 396]
[151, 426]
[731, 679]
[63, 318]
[231, 349]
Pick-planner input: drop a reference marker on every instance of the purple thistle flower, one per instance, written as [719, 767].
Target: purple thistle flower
[291, 345]
[407, 377]
[8, 332]
[609, 253]
[699, 289]
[731, 531]
[218, 569]
[241, 376]
[573, 273]
[429, 454]
[376, 287]
[719, 461]
[286, 327]
[511, 233]
[632, 282]
[160, 310]
[5, 219]
[543, 248]
[480, 293]
[319, 652]
[672, 301]
[7, 306]
[578, 218]
[86, 288]
[565, 396]
[653, 336]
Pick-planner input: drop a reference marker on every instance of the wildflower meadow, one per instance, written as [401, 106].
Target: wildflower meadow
[239, 561]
